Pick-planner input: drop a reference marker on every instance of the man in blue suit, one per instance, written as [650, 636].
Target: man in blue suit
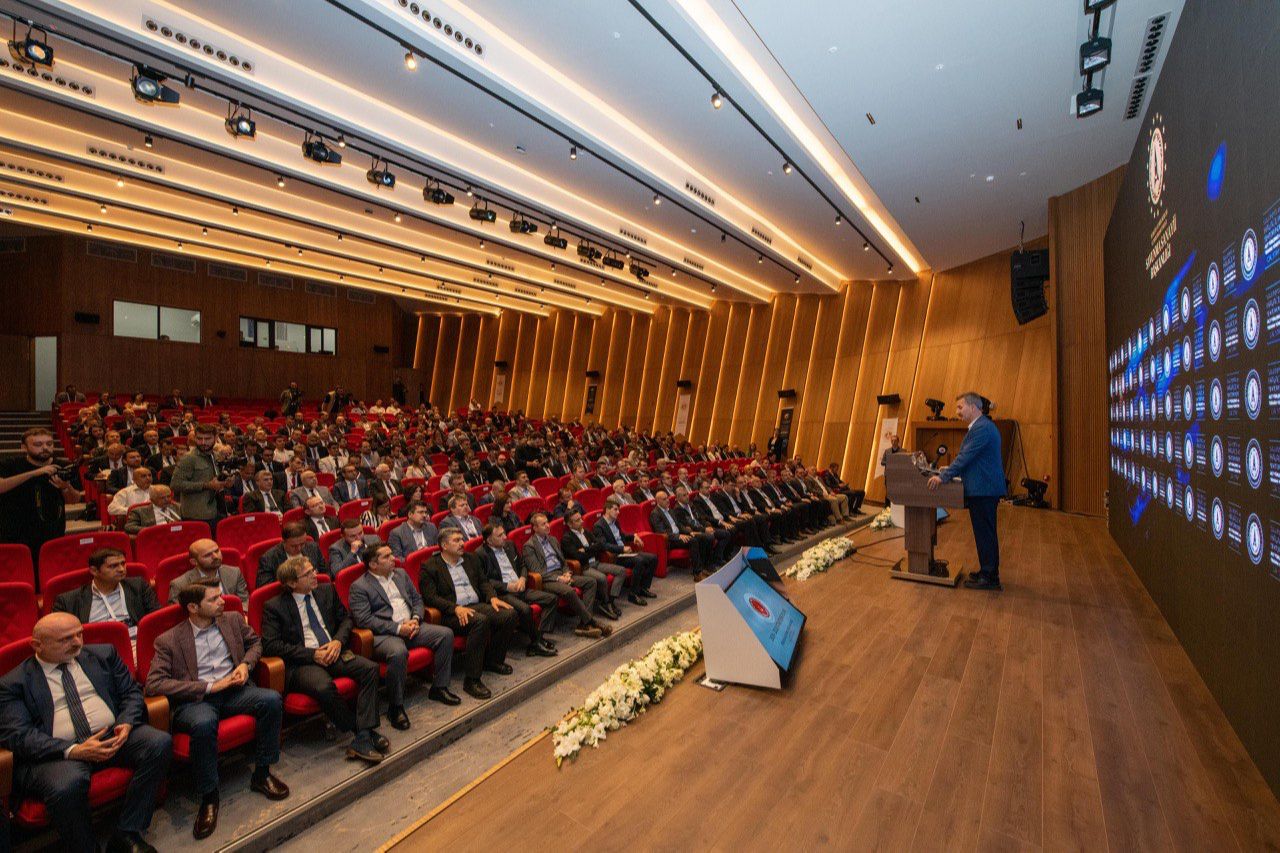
[71, 709]
[981, 464]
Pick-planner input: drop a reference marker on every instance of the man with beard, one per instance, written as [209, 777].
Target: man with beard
[33, 498]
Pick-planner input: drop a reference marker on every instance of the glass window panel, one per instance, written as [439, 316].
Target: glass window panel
[291, 337]
[331, 341]
[248, 330]
[315, 339]
[179, 324]
[134, 320]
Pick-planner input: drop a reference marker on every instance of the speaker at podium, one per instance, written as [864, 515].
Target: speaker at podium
[907, 486]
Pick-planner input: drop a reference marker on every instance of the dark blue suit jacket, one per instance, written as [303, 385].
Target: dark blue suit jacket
[979, 461]
[26, 705]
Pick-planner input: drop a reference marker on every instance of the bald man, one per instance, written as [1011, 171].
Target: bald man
[205, 558]
[69, 710]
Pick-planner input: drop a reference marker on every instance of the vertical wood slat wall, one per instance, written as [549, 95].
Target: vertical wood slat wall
[933, 336]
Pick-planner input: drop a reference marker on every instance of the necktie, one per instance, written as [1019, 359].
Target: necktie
[79, 719]
[312, 492]
[313, 618]
[267, 501]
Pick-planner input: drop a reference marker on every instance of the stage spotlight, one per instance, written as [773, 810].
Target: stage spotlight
[1088, 102]
[1035, 494]
[241, 124]
[555, 241]
[280, 181]
[1095, 54]
[315, 149]
[589, 252]
[380, 177]
[342, 141]
[786, 168]
[717, 100]
[839, 219]
[149, 88]
[411, 61]
[436, 195]
[1091, 6]
[639, 272]
[613, 262]
[936, 407]
[866, 247]
[657, 199]
[520, 225]
[482, 214]
[573, 152]
[31, 49]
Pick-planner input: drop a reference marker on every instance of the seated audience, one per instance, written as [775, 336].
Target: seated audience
[384, 484]
[352, 486]
[627, 550]
[460, 517]
[387, 603]
[542, 554]
[506, 571]
[416, 533]
[349, 550]
[207, 568]
[109, 596]
[293, 542]
[316, 518]
[265, 497]
[721, 539]
[137, 492]
[161, 510]
[580, 546]
[123, 475]
[378, 513]
[203, 665]
[308, 627]
[311, 488]
[681, 532]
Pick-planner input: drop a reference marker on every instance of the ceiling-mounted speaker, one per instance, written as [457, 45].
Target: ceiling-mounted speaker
[684, 383]
[593, 374]
[87, 318]
[888, 399]
[1028, 272]
[381, 349]
[787, 394]
[501, 365]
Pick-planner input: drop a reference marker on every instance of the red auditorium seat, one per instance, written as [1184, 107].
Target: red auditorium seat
[525, 507]
[354, 509]
[519, 536]
[74, 580]
[233, 732]
[327, 539]
[271, 671]
[155, 543]
[251, 560]
[440, 516]
[634, 519]
[591, 499]
[413, 562]
[482, 513]
[242, 531]
[384, 529]
[546, 486]
[397, 502]
[295, 514]
[112, 634]
[16, 565]
[68, 553]
[362, 638]
[18, 612]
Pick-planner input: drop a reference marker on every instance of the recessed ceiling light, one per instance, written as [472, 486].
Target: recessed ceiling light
[939, 67]
[657, 199]
[411, 61]
[691, 231]
[617, 34]
[832, 49]
[717, 101]
[990, 178]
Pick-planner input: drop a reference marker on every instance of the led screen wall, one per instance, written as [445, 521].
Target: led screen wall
[1193, 332]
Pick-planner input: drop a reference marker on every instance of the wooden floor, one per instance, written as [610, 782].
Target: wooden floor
[1059, 714]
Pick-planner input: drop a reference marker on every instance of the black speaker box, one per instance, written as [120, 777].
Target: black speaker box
[87, 318]
[1028, 272]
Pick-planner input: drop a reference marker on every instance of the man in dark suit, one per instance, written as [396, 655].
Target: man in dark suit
[416, 533]
[454, 583]
[679, 533]
[109, 596]
[349, 550]
[315, 518]
[266, 497]
[351, 486]
[123, 476]
[737, 509]
[720, 539]
[293, 543]
[831, 479]
[581, 546]
[782, 520]
[627, 551]
[308, 626]
[460, 517]
[160, 510]
[68, 710]
[386, 602]
[982, 466]
[510, 579]
[241, 484]
[203, 665]
[384, 484]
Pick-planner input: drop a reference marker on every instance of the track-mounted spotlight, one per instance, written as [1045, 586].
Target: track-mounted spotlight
[717, 100]
[149, 88]
[380, 177]
[573, 152]
[241, 124]
[411, 61]
[786, 168]
[1088, 102]
[482, 214]
[315, 149]
[520, 225]
[639, 272]
[657, 199]
[435, 194]
[31, 49]
[148, 141]
[613, 262]
[555, 241]
[1095, 55]
[280, 181]
[586, 250]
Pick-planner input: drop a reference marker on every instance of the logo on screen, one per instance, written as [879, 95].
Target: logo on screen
[1215, 456]
[1188, 407]
[1253, 538]
[1168, 406]
[1186, 353]
[1164, 319]
[1157, 149]
[1218, 518]
[758, 606]
[1215, 399]
[1185, 304]
[1253, 394]
[1253, 463]
[1252, 323]
[1168, 362]
[1249, 255]
[1215, 340]
[1189, 504]
[1168, 447]
[1214, 284]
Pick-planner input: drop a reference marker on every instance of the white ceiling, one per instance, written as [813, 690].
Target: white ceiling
[946, 82]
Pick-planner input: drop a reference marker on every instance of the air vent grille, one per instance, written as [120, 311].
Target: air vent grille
[699, 193]
[197, 44]
[763, 236]
[526, 291]
[316, 288]
[631, 235]
[227, 272]
[29, 199]
[111, 251]
[499, 265]
[1151, 44]
[27, 170]
[443, 27]
[1137, 92]
[697, 265]
[804, 262]
[173, 262]
[271, 279]
[122, 156]
[564, 283]
[365, 297]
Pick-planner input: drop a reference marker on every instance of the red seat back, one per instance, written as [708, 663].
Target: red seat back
[112, 634]
[16, 565]
[525, 507]
[591, 499]
[164, 540]
[519, 536]
[413, 562]
[151, 626]
[546, 486]
[482, 513]
[633, 518]
[13, 653]
[295, 514]
[260, 596]
[242, 531]
[345, 579]
[17, 612]
[354, 509]
[251, 560]
[68, 553]
[557, 528]
[384, 529]
[327, 539]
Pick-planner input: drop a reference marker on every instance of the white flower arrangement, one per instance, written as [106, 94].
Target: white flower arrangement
[819, 558]
[626, 694]
[883, 520]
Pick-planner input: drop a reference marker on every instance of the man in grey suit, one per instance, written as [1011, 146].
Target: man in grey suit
[386, 602]
[460, 517]
[160, 511]
[349, 550]
[293, 541]
[195, 479]
[415, 534]
[207, 568]
[311, 488]
[542, 554]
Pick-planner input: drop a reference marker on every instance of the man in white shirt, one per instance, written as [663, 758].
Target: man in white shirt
[110, 595]
[70, 709]
[133, 494]
[386, 602]
[460, 517]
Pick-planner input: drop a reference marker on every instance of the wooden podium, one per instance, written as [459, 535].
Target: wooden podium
[907, 486]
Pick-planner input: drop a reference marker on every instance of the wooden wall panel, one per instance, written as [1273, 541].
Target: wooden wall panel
[1077, 226]
[765, 417]
[540, 364]
[664, 396]
[816, 394]
[747, 388]
[622, 372]
[464, 365]
[598, 359]
[737, 328]
[446, 353]
[796, 369]
[522, 363]
[424, 354]
[575, 381]
[855, 312]
[695, 344]
[16, 390]
[875, 356]
[643, 404]
[486, 353]
[706, 379]
[505, 351]
[551, 373]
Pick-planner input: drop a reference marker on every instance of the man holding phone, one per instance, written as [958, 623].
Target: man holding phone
[33, 498]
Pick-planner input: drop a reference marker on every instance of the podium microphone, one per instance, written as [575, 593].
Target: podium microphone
[938, 454]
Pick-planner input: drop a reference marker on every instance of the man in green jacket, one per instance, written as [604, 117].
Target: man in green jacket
[195, 479]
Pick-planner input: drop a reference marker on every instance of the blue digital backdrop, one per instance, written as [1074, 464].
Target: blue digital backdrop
[775, 621]
[1192, 265]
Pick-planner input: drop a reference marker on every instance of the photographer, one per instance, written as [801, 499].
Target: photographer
[34, 494]
[196, 481]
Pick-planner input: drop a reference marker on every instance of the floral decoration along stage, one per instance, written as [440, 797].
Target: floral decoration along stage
[883, 520]
[819, 558]
[626, 694]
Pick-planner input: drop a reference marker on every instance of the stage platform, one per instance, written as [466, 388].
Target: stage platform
[1059, 714]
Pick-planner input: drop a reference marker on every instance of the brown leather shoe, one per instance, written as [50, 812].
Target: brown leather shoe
[270, 787]
[588, 631]
[206, 819]
[604, 630]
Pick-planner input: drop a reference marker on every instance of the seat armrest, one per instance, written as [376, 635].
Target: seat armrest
[434, 616]
[362, 642]
[270, 674]
[535, 580]
[157, 712]
[6, 777]
[573, 566]
[654, 543]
